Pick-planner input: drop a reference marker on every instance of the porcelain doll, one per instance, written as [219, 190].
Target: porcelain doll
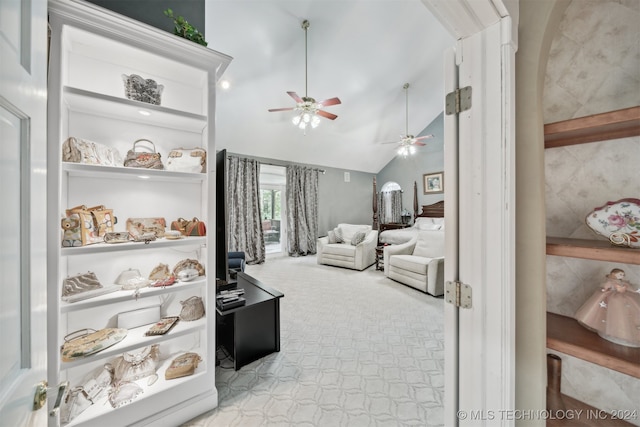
[613, 311]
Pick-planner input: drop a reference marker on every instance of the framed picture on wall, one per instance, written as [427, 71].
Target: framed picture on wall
[433, 182]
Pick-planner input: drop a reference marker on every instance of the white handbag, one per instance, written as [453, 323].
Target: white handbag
[192, 160]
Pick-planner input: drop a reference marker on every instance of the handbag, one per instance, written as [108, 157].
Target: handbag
[80, 398]
[192, 309]
[132, 366]
[187, 264]
[195, 227]
[117, 237]
[78, 150]
[143, 157]
[138, 88]
[138, 227]
[86, 342]
[192, 160]
[94, 223]
[161, 276]
[182, 366]
[131, 279]
[83, 286]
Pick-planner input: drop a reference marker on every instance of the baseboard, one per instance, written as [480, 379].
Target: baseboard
[183, 412]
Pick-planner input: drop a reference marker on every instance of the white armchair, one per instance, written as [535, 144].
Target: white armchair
[418, 263]
[357, 257]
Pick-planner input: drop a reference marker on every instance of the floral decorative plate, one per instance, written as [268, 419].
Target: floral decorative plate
[618, 221]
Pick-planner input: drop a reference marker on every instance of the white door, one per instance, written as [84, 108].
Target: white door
[23, 102]
[480, 214]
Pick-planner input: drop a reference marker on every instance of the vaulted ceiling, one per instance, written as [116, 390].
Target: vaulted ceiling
[360, 51]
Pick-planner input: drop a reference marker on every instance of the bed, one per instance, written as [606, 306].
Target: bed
[430, 219]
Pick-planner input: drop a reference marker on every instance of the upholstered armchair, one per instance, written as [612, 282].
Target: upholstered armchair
[418, 263]
[348, 245]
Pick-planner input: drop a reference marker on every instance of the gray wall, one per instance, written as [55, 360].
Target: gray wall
[152, 11]
[406, 171]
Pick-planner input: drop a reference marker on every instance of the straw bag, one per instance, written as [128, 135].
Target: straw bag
[182, 366]
[145, 157]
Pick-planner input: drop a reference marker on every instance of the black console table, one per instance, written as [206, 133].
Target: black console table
[253, 330]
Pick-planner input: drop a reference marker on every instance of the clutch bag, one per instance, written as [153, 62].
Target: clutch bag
[163, 326]
[182, 366]
[88, 341]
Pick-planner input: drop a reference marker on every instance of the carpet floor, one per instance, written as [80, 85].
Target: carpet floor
[357, 349]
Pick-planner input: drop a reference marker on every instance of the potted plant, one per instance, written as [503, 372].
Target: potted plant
[183, 29]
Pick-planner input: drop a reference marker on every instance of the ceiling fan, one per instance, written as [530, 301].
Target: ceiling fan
[408, 142]
[307, 108]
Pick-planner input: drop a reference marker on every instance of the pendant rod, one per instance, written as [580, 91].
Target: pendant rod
[305, 26]
[406, 125]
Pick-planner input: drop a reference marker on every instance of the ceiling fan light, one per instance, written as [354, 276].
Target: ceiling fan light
[295, 120]
[302, 125]
[315, 121]
[306, 117]
[412, 150]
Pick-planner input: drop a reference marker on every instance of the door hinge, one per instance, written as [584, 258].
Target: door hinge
[458, 294]
[459, 100]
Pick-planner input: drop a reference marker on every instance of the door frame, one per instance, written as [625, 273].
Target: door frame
[480, 215]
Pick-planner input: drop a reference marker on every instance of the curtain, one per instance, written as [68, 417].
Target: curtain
[302, 210]
[390, 206]
[245, 227]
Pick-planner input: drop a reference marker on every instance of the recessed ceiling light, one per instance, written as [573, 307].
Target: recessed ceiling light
[224, 84]
[144, 112]
[144, 176]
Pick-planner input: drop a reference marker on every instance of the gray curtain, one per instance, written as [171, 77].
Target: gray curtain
[245, 227]
[390, 207]
[302, 210]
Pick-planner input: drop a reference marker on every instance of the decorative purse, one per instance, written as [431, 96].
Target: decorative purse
[192, 309]
[78, 150]
[187, 160]
[163, 326]
[124, 393]
[117, 237]
[80, 398]
[182, 366]
[160, 276]
[132, 366]
[148, 159]
[89, 341]
[131, 279]
[188, 264]
[195, 227]
[138, 88]
[138, 227]
[83, 286]
[94, 223]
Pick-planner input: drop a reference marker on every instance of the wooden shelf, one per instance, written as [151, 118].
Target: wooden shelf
[567, 336]
[599, 250]
[598, 127]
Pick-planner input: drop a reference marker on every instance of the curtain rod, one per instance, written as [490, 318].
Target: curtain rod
[322, 171]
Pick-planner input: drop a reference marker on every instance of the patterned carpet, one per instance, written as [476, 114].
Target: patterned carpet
[357, 349]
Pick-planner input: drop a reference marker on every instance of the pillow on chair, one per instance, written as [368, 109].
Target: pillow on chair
[338, 233]
[358, 238]
[332, 236]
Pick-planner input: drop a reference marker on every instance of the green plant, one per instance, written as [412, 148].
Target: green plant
[183, 29]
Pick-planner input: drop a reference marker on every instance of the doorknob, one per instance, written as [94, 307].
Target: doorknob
[40, 397]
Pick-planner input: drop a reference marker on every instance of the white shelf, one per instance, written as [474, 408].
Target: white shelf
[98, 171]
[103, 407]
[120, 296]
[84, 101]
[136, 339]
[130, 246]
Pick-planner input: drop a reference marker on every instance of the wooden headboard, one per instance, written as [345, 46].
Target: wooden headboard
[435, 210]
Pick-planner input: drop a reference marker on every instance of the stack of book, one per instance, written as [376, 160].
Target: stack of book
[230, 299]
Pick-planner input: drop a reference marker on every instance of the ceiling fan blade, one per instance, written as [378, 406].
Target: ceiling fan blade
[423, 137]
[421, 144]
[280, 109]
[331, 101]
[329, 116]
[295, 97]
[393, 142]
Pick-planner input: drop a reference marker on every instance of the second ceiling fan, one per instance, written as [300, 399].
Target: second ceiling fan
[307, 108]
[408, 142]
